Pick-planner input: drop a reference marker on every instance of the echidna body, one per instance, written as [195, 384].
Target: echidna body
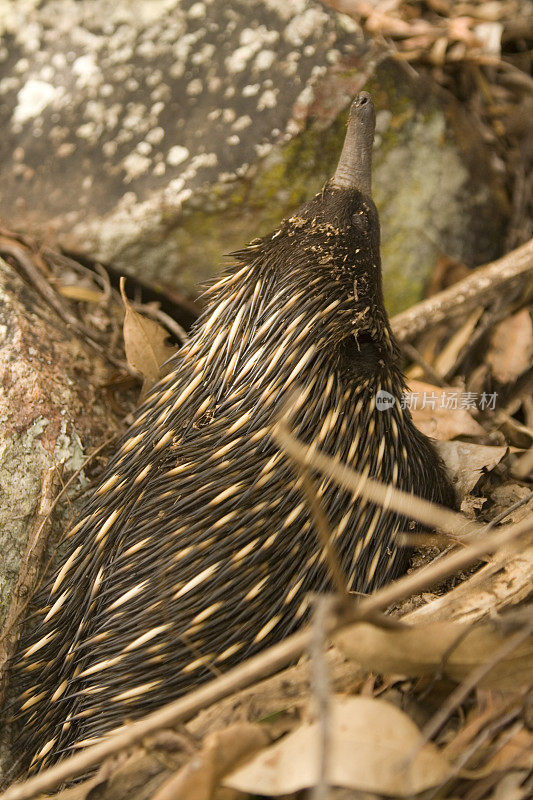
[198, 548]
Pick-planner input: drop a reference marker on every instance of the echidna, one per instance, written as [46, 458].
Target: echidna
[198, 548]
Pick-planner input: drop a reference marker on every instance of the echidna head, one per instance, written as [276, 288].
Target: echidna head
[337, 232]
[344, 211]
[330, 246]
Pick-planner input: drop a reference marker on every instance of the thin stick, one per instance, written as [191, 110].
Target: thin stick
[403, 503]
[514, 507]
[430, 373]
[261, 665]
[321, 687]
[39, 281]
[42, 285]
[175, 329]
[324, 534]
[243, 675]
[461, 692]
[486, 283]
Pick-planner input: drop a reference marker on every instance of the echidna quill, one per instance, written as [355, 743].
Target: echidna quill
[198, 548]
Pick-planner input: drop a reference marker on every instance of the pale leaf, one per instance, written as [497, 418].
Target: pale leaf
[81, 293]
[450, 648]
[144, 341]
[434, 413]
[511, 347]
[371, 748]
[466, 462]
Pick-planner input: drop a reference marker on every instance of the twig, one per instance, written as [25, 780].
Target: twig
[519, 503]
[507, 274]
[38, 280]
[243, 675]
[319, 669]
[265, 663]
[461, 692]
[488, 322]
[41, 284]
[502, 417]
[483, 737]
[324, 533]
[175, 329]
[403, 503]
[101, 272]
[97, 275]
[412, 353]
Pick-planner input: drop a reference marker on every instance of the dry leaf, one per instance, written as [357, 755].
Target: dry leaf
[369, 747]
[465, 462]
[476, 721]
[446, 272]
[437, 412]
[222, 750]
[511, 348]
[454, 649]
[144, 341]
[81, 293]
[517, 753]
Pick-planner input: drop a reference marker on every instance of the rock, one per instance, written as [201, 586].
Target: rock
[52, 409]
[433, 185]
[159, 135]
